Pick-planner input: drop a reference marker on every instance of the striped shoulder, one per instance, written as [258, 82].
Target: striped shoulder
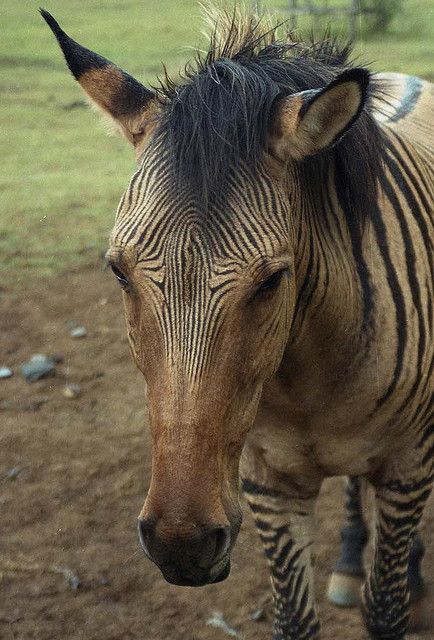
[406, 105]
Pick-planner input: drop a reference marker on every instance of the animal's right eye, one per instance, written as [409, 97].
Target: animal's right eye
[271, 283]
[123, 280]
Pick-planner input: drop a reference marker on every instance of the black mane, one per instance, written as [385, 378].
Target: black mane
[218, 114]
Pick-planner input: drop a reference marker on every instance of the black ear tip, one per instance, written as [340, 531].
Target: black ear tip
[360, 75]
[364, 77]
[52, 23]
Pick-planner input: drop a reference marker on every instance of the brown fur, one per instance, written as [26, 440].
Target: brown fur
[275, 336]
[106, 88]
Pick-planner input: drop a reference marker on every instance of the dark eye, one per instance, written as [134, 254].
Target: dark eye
[120, 276]
[271, 283]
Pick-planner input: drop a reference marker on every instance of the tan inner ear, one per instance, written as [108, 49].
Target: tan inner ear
[106, 89]
[103, 86]
[284, 124]
[326, 118]
[143, 125]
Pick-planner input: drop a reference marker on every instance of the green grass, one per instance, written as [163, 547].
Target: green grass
[61, 174]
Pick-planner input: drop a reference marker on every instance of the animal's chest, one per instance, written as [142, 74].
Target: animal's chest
[334, 435]
[313, 424]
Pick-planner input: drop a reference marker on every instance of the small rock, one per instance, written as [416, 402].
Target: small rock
[70, 576]
[104, 582]
[13, 473]
[5, 372]
[39, 366]
[257, 615]
[218, 622]
[71, 391]
[74, 582]
[78, 332]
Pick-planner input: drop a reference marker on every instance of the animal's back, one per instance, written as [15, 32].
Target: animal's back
[405, 110]
[406, 107]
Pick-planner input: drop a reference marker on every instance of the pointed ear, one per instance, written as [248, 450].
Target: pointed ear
[132, 106]
[309, 122]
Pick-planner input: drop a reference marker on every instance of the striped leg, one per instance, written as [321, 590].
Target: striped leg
[386, 597]
[347, 577]
[284, 526]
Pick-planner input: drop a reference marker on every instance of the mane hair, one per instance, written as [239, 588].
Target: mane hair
[217, 116]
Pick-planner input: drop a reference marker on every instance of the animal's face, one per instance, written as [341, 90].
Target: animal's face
[208, 298]
[209, 290]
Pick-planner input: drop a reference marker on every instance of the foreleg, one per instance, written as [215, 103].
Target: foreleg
[386, 595]
[284, 525]
[348, 575]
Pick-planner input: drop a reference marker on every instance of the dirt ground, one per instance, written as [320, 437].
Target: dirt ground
[73, 477]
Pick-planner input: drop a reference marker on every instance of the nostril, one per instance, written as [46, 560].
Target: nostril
[202, 551]
[222, 542]
[145, 527]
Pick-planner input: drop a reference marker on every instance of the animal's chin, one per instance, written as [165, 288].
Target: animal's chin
[192, 579]
[223, 574]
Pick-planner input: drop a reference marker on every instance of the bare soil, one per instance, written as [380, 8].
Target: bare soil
[73, 477]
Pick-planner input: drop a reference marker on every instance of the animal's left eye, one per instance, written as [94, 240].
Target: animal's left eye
[120, 276]
[271, 283]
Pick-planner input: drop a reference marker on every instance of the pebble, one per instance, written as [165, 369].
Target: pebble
[70, 575]
[74, 582]
[71, 391]
[13, 473]
[218, 622]
[257, 615]
[78, 332]
[5, 372]
[39, 366]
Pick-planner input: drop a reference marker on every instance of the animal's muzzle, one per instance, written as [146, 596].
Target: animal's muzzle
[194, 560]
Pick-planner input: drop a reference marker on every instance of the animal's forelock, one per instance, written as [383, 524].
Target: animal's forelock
[218, 116]
[216, 121]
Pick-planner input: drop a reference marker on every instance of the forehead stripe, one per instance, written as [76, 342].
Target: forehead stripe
[162, 224]
[137, 203]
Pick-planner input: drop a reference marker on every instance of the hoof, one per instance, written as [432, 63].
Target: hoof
[344, 590]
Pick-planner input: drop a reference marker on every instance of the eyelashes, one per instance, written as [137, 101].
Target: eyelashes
[121, 278]
[272, 283]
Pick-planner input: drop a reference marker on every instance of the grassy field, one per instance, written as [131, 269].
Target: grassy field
[62, 176]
